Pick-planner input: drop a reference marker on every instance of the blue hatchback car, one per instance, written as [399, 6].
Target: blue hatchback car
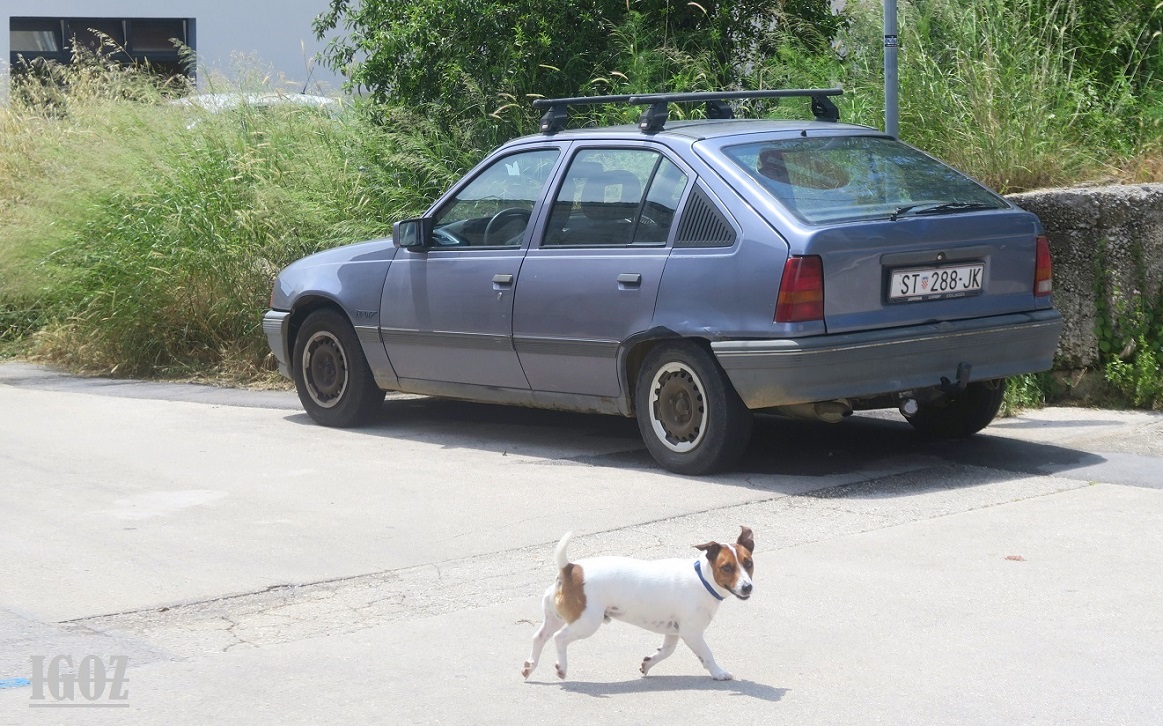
[688, 274]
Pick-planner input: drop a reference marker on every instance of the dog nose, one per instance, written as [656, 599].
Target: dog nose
[746, 588]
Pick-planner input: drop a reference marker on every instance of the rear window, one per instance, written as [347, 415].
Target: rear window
[846, 178]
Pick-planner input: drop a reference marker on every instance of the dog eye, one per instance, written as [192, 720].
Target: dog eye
[728, 569]
[747, 565]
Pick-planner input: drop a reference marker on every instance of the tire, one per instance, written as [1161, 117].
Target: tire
[332, 376]
[956, 417]
[689, 415]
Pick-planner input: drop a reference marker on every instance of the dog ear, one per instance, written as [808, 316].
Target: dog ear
[746, 539]
[711, 548]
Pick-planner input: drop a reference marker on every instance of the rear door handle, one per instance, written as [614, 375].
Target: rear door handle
[505, 280]
[630, 279]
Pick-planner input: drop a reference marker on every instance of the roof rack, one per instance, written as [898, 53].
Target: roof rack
[654, 118]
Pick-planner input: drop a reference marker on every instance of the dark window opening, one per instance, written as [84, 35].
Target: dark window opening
[155, 43]
[95, 34]
[149, 36]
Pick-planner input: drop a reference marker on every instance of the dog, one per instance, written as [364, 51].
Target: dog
[677, 598]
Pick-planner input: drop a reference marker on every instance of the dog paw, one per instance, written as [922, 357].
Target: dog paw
[722, 676]
[527, 670]
[560, 671]
[647, 662]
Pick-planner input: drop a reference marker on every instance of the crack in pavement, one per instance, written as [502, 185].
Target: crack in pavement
[285, 613]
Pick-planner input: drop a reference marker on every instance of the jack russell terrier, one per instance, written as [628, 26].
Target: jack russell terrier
[677, 598]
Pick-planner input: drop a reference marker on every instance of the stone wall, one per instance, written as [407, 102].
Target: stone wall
[1128, 222]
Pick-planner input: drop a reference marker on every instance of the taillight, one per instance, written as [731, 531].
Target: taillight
[801, 292]
[1043, 280]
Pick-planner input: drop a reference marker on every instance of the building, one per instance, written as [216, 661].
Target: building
[258, 38]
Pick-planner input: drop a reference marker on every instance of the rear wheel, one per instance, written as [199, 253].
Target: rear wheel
[963, 414]
[690, 417]
[332, 376]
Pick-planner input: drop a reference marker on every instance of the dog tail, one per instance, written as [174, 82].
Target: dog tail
[559, 553]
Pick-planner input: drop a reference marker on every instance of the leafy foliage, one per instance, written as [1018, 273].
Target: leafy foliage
[469, 57]
[1129, 326]
[1030, 390]
[1116, 41]
[1002, 90]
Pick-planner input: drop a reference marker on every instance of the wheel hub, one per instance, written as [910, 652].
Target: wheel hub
[678, 407]
[325, 369]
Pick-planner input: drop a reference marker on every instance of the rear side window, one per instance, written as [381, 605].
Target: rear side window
[703, 225]
[848, 178]
[616, 197]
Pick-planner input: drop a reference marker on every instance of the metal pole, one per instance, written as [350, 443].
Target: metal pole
[891, 44]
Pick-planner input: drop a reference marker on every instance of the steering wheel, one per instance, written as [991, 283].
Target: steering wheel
[501, 219]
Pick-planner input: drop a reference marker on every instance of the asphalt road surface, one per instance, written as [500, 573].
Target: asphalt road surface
[204, 555]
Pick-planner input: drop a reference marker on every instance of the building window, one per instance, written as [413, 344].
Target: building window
[156, 35]
[93, 33]
[146, 41]
[34, 35]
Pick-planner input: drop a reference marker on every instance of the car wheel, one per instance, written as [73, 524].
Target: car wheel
[691, 418]
[332, 376]
[963, 414]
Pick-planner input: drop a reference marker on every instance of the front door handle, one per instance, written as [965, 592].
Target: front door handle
[505, 280]
[629, 279]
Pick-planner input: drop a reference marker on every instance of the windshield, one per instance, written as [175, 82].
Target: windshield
[845, 178]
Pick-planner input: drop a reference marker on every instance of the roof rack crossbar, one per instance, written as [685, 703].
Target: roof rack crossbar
[654, 118]
[556, 115]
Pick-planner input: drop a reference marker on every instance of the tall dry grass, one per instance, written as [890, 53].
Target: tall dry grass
[141, 238]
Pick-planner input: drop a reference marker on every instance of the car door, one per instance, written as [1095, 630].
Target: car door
[591, 280]
[447, 309]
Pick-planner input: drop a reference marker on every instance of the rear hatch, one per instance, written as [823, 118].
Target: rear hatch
[926, 269]
[902, 238]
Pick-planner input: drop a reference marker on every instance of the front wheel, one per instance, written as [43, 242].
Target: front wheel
[332, 376]
[689, 415]
[962, 414]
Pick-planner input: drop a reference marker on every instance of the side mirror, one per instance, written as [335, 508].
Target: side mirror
[413, 233]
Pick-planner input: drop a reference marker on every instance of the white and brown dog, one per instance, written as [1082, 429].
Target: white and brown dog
[677, 598]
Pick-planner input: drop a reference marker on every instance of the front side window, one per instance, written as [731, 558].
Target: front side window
[493, 210]
[616, 197]
[848, 178]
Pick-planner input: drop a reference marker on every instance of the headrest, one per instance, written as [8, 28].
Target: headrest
[611, 195]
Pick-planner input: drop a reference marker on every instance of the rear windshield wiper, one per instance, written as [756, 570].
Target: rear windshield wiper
[950, 207]
[899, 211]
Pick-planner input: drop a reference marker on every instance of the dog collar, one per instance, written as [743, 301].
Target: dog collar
[699, 571]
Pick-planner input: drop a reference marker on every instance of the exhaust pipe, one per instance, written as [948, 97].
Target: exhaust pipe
[826, 411]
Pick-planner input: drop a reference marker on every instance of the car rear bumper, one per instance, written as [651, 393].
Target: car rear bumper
[275, 323]
[782, 372]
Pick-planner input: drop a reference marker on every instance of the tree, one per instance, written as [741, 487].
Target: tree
[470, 56]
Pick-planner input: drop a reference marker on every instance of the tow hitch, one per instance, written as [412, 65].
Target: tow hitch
[952, 388]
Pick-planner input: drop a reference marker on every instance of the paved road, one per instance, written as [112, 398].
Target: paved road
[255, 568]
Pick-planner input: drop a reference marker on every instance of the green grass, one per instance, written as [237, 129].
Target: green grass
[994, 88]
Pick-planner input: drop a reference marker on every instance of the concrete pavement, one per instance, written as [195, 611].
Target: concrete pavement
[254, 569]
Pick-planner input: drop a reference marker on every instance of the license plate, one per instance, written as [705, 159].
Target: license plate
[931, 283]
